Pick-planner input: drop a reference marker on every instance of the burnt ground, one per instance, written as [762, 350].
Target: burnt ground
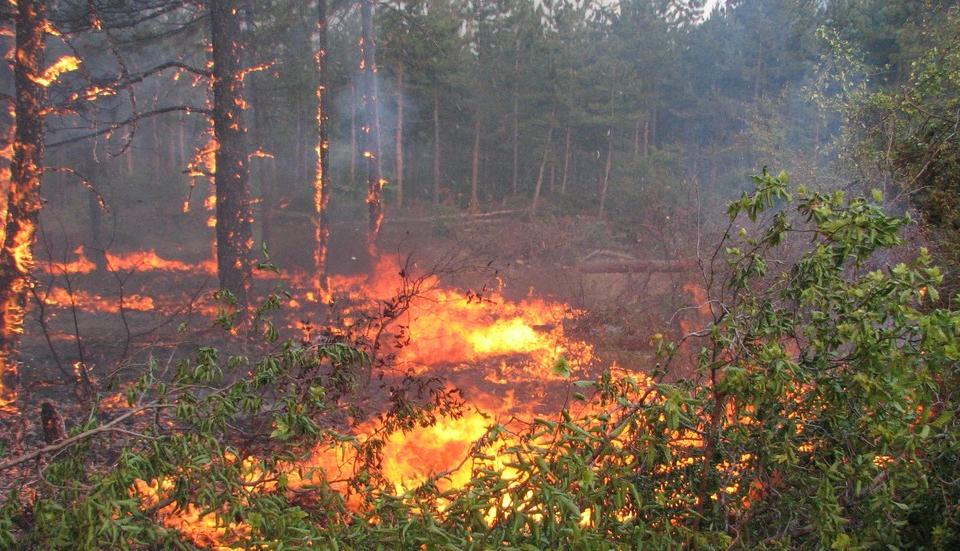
[518, 255]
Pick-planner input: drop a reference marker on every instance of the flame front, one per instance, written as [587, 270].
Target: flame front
[63, 65]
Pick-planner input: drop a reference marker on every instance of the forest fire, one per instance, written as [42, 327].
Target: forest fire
[138, 261]
[481, 341]
[450, 326]
[332, 345]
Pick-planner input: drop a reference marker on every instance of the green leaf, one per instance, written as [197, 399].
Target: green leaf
[561, 367]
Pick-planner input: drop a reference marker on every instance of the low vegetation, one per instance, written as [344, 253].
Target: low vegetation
[821, 413]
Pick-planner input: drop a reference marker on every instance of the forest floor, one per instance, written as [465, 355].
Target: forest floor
[113, 324]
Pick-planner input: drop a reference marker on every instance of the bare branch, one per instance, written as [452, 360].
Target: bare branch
[139, 116]
[66, 443]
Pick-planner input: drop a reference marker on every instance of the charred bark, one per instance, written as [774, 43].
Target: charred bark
[23, 202]
[234, 224]
[370, 127]
[54, 429]
[321, 189]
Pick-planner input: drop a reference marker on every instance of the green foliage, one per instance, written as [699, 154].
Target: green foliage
[910, 134]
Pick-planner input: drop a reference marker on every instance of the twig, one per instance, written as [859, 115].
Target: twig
[111, 426]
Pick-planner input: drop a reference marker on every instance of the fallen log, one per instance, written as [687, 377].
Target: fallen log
[630, 265]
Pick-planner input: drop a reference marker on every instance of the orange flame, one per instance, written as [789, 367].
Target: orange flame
[63, 65]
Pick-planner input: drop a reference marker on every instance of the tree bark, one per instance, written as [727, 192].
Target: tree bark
[566, 161]
[322, 176]
[653, 129]
[370, 127]
[646, 139]
[543, 165]
[606, 176]
[475, 169]
[234, 224]
[353, 133]
[398, 140]
[436, 144]
[23, 202]
[516, 120]
[99, 252]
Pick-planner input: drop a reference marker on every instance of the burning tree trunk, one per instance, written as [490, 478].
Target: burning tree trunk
[370, 127]
[321, 190]
[234, 225]
[23, 202]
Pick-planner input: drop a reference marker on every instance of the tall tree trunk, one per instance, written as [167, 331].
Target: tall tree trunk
[370, 126]
[297, 141]
[182, 156]
[566, 160]
[258, 171]
[321, 180]
[353, 132]
[268, 187]
[99, 252]
[234, 225]
[23, 202]
[654, 116]
[553, 173]
[436, 145]
[646, 139]
[606, 176]
[155, 158]
[543, 165]
[516, 120]
[398, 141]
[475, 172]
[606, 170]
[759, 78]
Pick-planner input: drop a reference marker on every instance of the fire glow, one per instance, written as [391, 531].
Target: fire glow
[445, 326]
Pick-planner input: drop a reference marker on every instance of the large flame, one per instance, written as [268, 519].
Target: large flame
[441, 331]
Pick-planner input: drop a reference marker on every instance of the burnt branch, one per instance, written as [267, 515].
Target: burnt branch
[77, 16]
[129, 121]
[83, 180]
